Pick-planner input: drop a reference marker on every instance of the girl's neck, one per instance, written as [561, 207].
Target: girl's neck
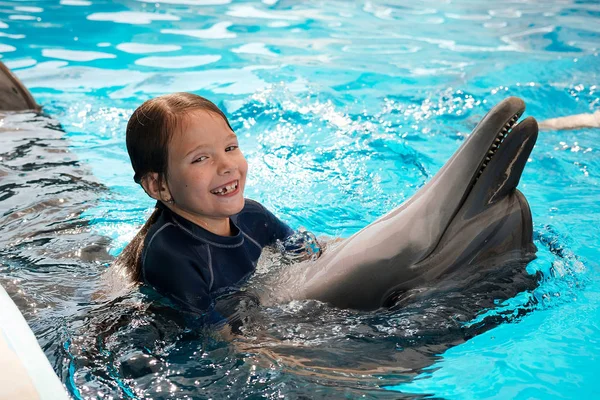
[218, 226]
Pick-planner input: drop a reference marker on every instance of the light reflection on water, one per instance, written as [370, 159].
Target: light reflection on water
[343, 109]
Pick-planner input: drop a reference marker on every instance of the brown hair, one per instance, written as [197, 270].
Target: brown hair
[149, 131]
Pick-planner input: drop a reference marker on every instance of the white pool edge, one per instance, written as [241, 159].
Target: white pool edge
[24, 369]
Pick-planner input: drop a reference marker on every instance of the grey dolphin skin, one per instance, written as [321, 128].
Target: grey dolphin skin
[469, 215]
[14, 96]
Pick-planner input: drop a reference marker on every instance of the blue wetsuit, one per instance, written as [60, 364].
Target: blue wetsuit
[193, 266]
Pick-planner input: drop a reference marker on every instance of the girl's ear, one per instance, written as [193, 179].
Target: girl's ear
[156, 187]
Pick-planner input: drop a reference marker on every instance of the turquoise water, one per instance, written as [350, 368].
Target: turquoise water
[343, 109]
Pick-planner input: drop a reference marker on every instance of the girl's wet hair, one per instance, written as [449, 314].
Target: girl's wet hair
[149, 131]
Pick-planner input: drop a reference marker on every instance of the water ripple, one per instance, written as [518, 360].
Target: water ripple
[131, 17]
[339, 125]
[177, 61]
[144, 48]
[76, 55]
[217, 31]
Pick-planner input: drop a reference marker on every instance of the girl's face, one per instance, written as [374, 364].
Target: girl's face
[207, 170]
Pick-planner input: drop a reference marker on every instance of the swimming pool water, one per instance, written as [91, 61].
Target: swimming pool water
[343, 109]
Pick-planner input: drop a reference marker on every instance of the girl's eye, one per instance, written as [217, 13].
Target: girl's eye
[199, 159]
[231, 148]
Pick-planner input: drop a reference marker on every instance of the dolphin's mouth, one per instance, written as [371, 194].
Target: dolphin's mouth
[504, 132]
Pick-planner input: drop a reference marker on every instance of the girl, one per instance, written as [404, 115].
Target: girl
[203, 239]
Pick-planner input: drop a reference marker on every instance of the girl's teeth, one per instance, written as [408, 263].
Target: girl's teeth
[227, 189]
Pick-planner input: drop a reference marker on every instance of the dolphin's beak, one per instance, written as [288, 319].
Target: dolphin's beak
[502, 174]
[491, 133]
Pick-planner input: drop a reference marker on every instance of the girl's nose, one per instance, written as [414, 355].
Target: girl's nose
[226, 165]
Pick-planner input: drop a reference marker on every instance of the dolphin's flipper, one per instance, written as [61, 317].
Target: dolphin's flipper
[14, 96]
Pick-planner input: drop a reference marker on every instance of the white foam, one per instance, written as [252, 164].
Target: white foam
[29, 9]
[469, 17]
[143, 48]
[75, 55]
[75, 3]
[132, 17]
[22, 63]
[10, 36]
[22, 17]
[5, 48]
[177, 61]
[189, 2]
[248, 11]
[506, 13]
[217, 31]
[278, 24]
[3, 25]
[255, 48]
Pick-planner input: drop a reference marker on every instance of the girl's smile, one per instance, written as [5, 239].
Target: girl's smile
[229, 189]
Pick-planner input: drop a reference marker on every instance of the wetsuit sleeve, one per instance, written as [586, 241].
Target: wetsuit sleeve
[278, 230]
[299, 244]
[176, 274]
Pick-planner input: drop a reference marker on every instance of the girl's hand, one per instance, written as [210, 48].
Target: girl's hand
[303, 246]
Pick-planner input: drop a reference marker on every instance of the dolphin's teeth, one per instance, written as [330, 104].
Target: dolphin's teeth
[496, 145]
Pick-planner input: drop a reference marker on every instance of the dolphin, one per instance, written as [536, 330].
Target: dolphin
[14, 96]
[470, 214]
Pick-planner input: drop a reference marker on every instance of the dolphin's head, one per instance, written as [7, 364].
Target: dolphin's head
[470, 213]
[485, 219]
[483, 171]
[486, 170]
